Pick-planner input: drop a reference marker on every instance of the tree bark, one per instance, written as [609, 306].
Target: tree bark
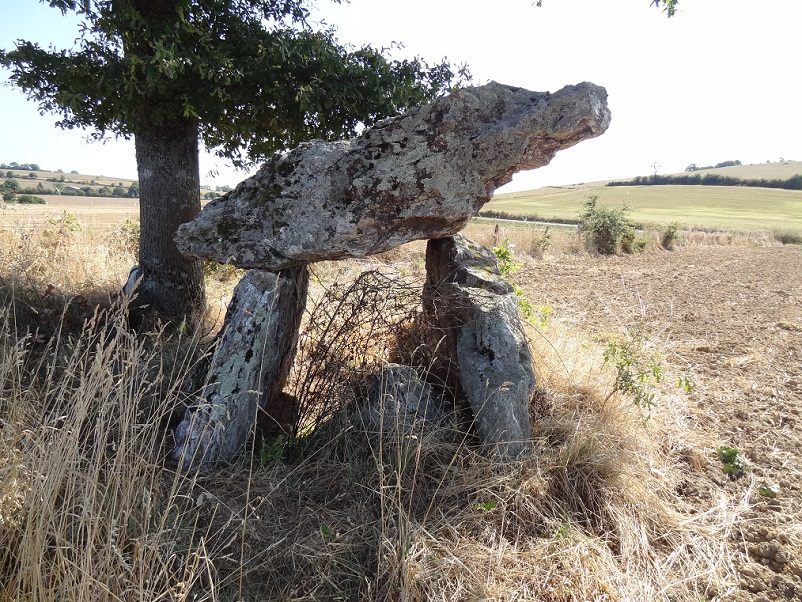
[169, 195]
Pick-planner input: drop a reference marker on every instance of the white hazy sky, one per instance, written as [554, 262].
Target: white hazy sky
[720, 81]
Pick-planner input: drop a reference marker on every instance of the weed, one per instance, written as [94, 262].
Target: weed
[733, 462]
[669, 237]
[540, 243]
[125, 235]
[788, 238]
[486, 506]
[504, 254]
[635, 374]
[272, 452]
[66, 221]
[632, 243]
[767, 490]
[687, 380]
[605, 229]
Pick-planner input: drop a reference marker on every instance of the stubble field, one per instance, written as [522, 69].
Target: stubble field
[733, 315]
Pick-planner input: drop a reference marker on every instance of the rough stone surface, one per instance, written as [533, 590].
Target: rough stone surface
[418, 176]
[400, 402]
[484, 355]
[250, 366]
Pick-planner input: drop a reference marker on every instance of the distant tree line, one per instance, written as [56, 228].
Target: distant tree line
[493, 214]
[20, 166]
[711, 179]
[695, 167]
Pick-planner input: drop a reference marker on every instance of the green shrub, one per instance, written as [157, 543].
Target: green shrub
[29, 199]
[632, 243]
[788, 238]
[669, 237]
[604, 229]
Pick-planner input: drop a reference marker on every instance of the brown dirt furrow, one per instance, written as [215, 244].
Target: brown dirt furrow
[734, 314]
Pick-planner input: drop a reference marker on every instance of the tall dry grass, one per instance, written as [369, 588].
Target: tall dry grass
[89, 509]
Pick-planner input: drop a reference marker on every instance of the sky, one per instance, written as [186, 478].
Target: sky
[717, 82]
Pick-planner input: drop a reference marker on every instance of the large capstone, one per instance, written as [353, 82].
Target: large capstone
[482, 352]
[418, 176]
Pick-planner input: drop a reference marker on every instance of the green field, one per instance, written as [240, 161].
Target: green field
[713, 207]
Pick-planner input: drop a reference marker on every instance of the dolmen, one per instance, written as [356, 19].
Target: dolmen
[419, 176]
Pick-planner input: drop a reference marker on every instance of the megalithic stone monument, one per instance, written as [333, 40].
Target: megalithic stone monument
[418, 176]
[421, 175]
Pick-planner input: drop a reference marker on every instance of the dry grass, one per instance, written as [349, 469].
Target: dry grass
[89, 510]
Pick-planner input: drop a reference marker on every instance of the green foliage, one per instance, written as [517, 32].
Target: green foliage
[540, 243]
[537, 315]
[125, 235]
[20, 166]
[504, 254]
[272, 452]
[711, 179]
[254, 75]
[29, 199]
[11, 184]
[670, 236]
[733, 462]
[769, 490]
[686, 381]
[606, 229]
[636, 372]
[66, 222]
[788, 238]
[486, 506]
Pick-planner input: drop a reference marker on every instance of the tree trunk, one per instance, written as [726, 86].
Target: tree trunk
[169, 195]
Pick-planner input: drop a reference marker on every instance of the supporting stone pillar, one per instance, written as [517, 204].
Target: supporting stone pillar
[250, 366]
[483, 354]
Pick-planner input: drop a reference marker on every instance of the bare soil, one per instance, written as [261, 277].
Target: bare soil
[734, 314]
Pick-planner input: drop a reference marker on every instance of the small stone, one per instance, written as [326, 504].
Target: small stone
[399, 401]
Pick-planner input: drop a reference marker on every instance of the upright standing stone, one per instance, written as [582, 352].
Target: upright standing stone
[249, 368]
[418, 176]
[483, 353]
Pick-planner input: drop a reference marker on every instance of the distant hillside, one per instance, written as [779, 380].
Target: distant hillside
[43, 183]
[768, 171]
[716, 207]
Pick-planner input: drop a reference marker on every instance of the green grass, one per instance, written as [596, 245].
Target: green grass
[768, 171]
[714, 207]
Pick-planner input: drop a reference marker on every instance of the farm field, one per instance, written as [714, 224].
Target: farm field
[709, 207]
[733, 315]
[93, 212]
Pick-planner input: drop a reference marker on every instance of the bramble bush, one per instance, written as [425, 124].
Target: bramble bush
[607, 231]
